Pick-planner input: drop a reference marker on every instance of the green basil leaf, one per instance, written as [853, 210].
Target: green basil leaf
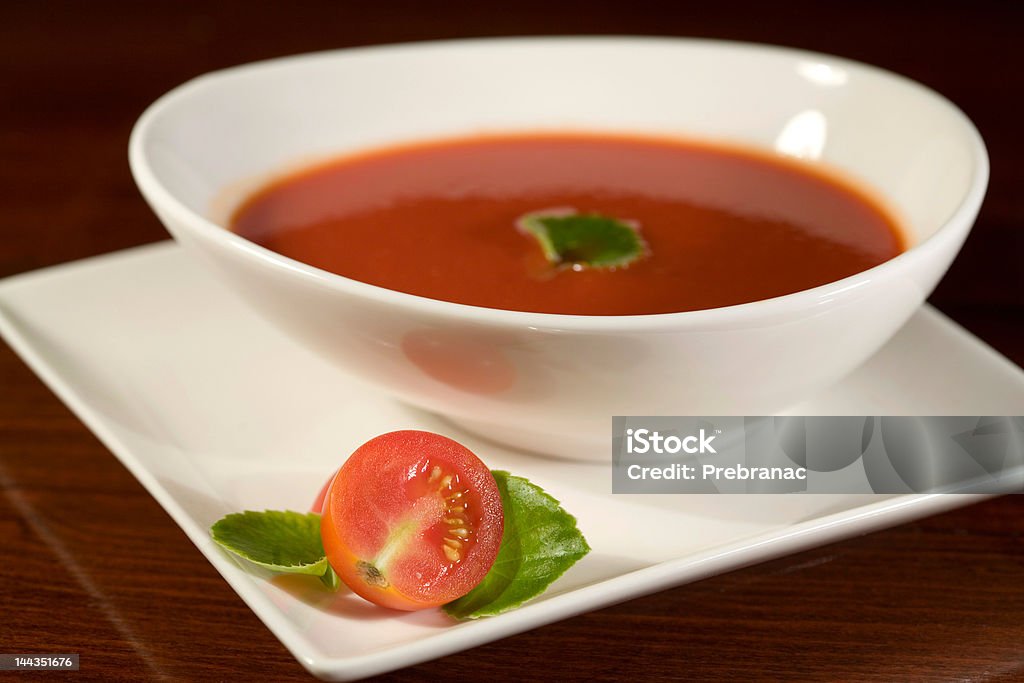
[281, 541]
[539, 544]
[583, 240]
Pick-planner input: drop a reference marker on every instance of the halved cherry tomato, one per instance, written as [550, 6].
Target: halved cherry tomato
[412, 520]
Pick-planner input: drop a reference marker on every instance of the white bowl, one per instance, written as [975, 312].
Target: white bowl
[547, 382]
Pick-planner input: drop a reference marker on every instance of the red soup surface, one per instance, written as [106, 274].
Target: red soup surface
[724, 226]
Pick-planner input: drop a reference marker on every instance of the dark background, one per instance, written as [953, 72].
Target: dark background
[93, 565]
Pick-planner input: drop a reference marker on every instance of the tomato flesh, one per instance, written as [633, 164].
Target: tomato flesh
[412, 520]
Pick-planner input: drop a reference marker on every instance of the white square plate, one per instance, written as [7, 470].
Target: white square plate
[214, 411]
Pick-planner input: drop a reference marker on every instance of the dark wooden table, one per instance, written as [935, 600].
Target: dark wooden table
[91, 564]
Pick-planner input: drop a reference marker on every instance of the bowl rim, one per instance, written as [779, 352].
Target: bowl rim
[830, 293]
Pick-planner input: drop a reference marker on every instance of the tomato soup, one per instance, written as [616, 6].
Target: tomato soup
[722, 226]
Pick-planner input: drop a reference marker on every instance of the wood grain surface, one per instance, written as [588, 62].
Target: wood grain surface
[91, 564]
